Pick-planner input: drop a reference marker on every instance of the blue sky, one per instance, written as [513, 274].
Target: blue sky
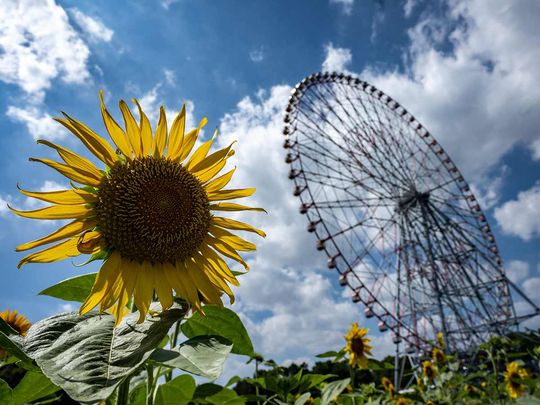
[467, 70]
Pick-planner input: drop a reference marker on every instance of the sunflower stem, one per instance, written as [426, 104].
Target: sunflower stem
[150, 385]
[174, 341]
[123, 392]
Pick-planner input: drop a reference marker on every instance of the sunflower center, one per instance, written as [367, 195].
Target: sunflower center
[152, 209]
[357, 345]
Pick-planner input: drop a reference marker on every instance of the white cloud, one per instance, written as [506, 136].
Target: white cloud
[94, 28]
[39, 124]
[257, 55]
[517, 270]
[170, 77]
[37, 45]
[168, 3]
[408, 7]
[346, 5]
[535, 149]
[3, 206]
[480, 97]
[336, 59]
[531, 287]
[521, 217]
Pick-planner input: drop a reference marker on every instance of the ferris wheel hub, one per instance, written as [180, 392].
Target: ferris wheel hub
[411, 199]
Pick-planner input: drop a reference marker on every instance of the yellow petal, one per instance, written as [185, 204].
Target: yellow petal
[225, 250]
[216, 279]
[163, 289]
[225, 206]
[146, 131]
[176, 137]
[63, 197]
[189, 142]
[106, 278]
[206, 288]
[188, 288]
[77, 175]
[91, 242]
[230, 194]
[57, 212]
[218, 265]
[115, 131]
[219, 182]
[233, 224]
[201, 152]
[175, 276]
[213, 159]
[208, 174]
[160, 138]
[132, 130]
[234, 241]
[95, 144]
[74, 160]
[54, 253]
[71, 229]
[144, 288]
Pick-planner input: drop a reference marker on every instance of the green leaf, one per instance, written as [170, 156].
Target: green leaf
[330, 353]
[332, 390]
[311, 380]
[528, 401]
[176, 392]
[226, 397]
[302, 399]
[206, 390]
[5, 393]
[87, 356]
[33, 386]
[202, 355]
[137, 396]
[6, 328]
[220, 322]
[13, 345]
[73, 289]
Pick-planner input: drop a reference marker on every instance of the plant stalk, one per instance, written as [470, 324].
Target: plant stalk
[123, 392]
[149, 385]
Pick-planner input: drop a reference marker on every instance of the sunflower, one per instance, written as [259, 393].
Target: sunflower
[149, 214]
[440, 340]
[358, 346]
[402, 401]
[388, 386]
[438, 356]
[515, 372]
[17, 322]
[429, 370]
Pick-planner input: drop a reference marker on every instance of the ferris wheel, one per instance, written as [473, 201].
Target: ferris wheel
[397, 219]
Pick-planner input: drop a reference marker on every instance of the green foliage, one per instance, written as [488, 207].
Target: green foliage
[220, 322]
[176, 392]
[73, 289]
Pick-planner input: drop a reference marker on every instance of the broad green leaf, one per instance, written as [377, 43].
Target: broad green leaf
[206, 390]
[202, 355]
[332, 390]
[73, 289]
[87, 356]
[528, 401]
[33, 386]
[226, 397]
[5, 393]
[330, 353]
[220, 322]
[176, 392]
[137, 395]
[302, 399]
[312, 380]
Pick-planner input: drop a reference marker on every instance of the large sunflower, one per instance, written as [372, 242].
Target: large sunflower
[358, 346]
[150, 213]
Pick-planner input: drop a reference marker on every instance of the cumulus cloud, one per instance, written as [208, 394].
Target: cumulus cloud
[38, 123]
[336, 59]
[521, 217]
[479, 97]
[346, 5]
[94, 28]
[257, 55]
[535, 149]
[517, 270]
[34, 53]
[409, 6]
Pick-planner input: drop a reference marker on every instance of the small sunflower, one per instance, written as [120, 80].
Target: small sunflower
[402, 401]
[429, 370]
[515, 372]
[440, 340]
[358, 346]
[438, 356]
[388, 386]
[150, 213]
[18, 323]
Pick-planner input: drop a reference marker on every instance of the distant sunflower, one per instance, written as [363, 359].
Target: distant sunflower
[402, 401]
[515, 372]
[388, 386]
[149, 214]
[17, 322]
[438, 356]
[440, 340]
[430, 402]
[358, 346]
[429, 370]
